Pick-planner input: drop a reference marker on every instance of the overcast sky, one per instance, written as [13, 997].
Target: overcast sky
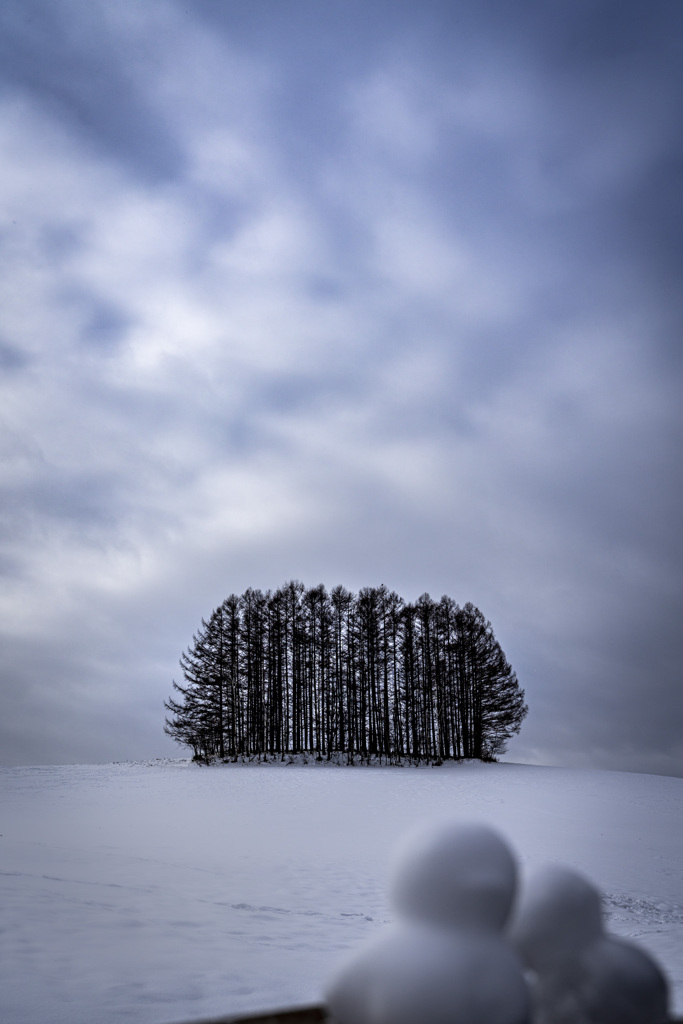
[353, 292]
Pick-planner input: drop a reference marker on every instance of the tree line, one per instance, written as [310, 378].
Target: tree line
[365, 675]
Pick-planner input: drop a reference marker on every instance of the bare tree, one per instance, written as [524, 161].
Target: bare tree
[366, 675]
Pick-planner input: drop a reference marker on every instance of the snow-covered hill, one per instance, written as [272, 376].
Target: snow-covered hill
[161, 891]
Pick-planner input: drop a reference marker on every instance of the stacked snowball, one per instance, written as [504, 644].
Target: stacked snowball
[445, 961]
[578, 974]
[453, 957]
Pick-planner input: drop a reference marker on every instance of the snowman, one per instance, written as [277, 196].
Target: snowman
[445, 960]
[578, 973]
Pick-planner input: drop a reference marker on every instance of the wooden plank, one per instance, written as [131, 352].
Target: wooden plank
[316, 1014]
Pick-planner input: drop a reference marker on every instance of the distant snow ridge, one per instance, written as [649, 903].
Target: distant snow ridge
[454, 956]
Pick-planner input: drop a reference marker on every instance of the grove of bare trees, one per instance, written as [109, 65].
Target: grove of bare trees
[365, 675]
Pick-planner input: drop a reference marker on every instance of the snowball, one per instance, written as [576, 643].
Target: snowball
[621, 984]
[455, 874]
[558, 915]
[414, 973]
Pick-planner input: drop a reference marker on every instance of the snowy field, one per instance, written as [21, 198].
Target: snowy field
[161, 891]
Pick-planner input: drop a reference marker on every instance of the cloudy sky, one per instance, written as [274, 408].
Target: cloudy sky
[354, 292]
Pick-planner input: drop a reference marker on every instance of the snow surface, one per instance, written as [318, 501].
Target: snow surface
[161, 891]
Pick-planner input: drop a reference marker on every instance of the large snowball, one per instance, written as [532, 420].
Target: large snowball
[421, 974]
[455, 874]
[558, 915]
[621, 984]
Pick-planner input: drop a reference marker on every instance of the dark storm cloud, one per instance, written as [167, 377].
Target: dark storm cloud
[348, 292]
